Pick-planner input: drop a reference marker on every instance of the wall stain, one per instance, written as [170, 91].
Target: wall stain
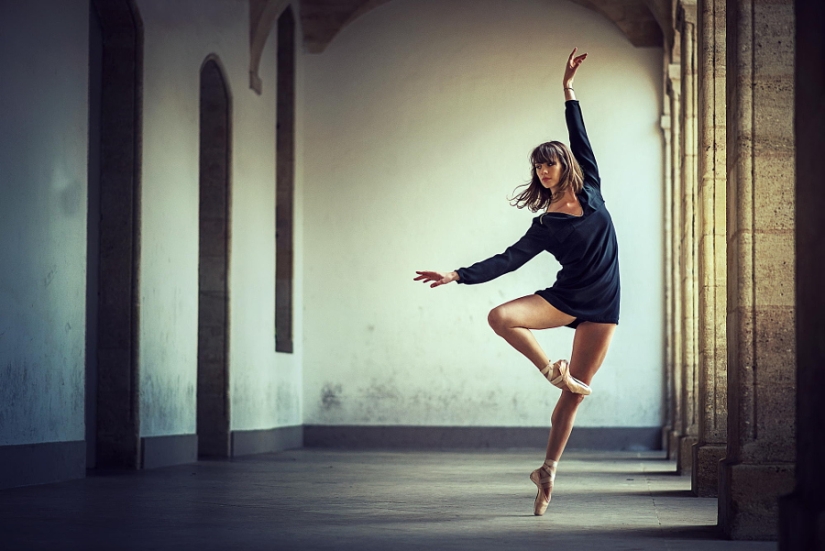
[378, 391]
[331, 396]
[287, 404]
[49, 277]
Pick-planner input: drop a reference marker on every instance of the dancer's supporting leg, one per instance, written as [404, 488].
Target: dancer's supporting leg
[590, 346]
[513, 321]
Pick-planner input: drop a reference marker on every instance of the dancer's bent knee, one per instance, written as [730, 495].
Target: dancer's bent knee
[498, 320]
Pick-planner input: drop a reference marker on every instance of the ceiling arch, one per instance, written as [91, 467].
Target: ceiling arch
[641, 21]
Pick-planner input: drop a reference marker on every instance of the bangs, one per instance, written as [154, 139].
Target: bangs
[545, 153]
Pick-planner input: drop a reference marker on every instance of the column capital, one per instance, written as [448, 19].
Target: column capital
[674, 78]
[686, 13]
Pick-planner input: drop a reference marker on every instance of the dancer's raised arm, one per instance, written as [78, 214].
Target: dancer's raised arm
[579, 142]
[573, 63]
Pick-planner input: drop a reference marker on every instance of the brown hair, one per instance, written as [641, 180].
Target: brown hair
[536, 196]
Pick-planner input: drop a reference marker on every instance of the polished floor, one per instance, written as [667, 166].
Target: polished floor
[370, 500]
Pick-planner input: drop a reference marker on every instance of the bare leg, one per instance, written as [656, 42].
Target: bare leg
[564, 414]
[589, 349]
[513, 321]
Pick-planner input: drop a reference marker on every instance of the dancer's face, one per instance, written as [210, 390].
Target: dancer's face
[549, 174]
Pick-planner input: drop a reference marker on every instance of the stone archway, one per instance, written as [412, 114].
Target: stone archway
[646, 23]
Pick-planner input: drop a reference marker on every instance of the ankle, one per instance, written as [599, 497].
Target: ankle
[550, 466]
[550, 370]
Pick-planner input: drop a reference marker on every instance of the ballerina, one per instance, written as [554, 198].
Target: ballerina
[576, 228]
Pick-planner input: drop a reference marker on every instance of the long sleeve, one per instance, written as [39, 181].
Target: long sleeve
[579, 143]
[511, 259]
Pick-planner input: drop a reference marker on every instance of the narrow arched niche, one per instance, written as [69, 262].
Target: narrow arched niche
[113, 234]
[285, 183]
[213, 263]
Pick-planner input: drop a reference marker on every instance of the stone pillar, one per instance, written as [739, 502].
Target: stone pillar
[687, 233]
[665, 123]
[712, 345]
[761, 316]
[674, 90]
[802, 514]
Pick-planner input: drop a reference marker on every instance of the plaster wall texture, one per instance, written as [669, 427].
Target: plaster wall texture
[43, 148]
[264, 386]
[420, 117]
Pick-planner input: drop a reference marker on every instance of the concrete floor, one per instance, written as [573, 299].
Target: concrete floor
[368, 500]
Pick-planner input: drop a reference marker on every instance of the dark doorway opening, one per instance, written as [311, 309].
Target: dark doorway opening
[213, 263]
[115, 82]
[285, 182]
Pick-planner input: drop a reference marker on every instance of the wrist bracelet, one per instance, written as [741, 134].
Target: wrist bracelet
[568, 88]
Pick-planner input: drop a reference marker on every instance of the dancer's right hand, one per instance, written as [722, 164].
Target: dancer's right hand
[437, 278]
[573, 63]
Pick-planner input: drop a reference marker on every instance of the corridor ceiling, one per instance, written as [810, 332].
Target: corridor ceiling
[641, 21]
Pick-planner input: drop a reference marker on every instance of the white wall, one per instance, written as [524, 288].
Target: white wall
[265, 387]
[419, 120]
[43, 148]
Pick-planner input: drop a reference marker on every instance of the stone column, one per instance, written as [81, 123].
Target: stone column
[674, 89]
[687, 233]
[669, 320]
[802, 514]
[712, 345]
[761, 315]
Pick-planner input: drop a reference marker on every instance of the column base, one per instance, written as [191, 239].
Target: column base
[666, 430]
[684, 461]
[748, 496]
[673, 444]
[704, 480]
[801, 524]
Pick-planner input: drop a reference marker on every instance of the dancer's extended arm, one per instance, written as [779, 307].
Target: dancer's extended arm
[511, 259]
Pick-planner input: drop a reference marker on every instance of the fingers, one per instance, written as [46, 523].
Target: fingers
[436, 278]
[574, 60]
[428, 276]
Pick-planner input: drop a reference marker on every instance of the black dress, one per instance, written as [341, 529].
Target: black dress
[587, 285]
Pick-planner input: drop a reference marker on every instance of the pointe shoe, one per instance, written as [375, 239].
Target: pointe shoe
[559, 376]
[543, 479]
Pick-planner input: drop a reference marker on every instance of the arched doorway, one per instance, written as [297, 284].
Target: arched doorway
[213, 263]
[115, 81]
[285, 182]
